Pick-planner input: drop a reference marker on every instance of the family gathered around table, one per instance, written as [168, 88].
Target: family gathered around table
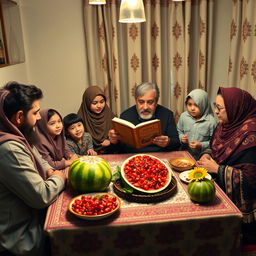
[37, 146]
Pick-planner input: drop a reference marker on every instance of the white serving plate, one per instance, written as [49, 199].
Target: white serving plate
[184, 176]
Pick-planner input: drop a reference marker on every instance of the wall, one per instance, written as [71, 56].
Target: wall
[16, 72]
[55, 55]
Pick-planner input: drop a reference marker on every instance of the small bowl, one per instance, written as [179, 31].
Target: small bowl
[98, 216]
[182, 164]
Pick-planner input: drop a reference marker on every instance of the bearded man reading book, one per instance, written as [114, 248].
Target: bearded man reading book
[147, 108]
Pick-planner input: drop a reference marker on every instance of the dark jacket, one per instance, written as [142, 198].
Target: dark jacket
[168, 127]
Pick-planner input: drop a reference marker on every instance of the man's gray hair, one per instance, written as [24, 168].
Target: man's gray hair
[143, 88]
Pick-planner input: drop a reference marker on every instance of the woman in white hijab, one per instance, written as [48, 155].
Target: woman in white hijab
[197, 123]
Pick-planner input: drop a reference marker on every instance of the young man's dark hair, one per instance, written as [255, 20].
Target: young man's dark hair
[20, 97]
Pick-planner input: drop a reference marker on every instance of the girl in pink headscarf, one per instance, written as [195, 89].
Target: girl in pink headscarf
[52, 143]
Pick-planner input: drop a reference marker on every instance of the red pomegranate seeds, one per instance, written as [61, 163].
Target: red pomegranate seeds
[146, 172]
[94, 205]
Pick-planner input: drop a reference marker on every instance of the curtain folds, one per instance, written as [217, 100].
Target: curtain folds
[172, 48]
[242, 59]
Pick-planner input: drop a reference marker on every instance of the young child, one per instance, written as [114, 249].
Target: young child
[196, 125]
[79, 141]
[52, 142]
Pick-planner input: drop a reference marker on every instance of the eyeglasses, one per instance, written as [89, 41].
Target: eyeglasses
[218, 106]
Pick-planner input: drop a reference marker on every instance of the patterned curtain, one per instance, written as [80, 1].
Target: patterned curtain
[161, 50]
[242, 60]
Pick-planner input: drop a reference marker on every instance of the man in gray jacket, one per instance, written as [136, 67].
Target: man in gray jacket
[27, 183]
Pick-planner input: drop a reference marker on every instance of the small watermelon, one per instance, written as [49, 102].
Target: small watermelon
[89, 174]
[201, 191]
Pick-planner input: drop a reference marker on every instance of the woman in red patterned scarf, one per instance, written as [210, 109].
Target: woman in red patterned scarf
[233, 153]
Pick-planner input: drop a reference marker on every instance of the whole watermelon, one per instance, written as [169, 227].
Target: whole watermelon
[90, 174]
[201, 191]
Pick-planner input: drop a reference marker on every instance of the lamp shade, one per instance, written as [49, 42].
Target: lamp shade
[132, 11]
[97, 1]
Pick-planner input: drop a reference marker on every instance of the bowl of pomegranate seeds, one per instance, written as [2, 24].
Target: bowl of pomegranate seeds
[94, 206]
[146, 173]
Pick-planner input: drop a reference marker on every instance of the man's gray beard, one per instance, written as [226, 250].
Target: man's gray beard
[146, 117]
[30, 134]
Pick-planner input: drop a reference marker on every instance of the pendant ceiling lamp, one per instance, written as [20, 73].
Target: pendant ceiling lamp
[97, 1]
[132, 11]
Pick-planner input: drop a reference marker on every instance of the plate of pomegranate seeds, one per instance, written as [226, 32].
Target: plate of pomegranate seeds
[146, 173]
[94, 206]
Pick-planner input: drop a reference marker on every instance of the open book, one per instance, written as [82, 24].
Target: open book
[137, 136]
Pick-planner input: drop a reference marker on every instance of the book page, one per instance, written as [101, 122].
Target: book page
[147, 122]
[127, 133]
[124, 122]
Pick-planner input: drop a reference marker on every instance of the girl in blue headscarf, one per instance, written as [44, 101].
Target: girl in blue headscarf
[197, 123]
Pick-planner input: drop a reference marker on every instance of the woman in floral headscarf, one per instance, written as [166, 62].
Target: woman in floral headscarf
[233, 153]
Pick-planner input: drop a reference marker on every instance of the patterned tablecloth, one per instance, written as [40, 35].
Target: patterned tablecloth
[175, 226]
